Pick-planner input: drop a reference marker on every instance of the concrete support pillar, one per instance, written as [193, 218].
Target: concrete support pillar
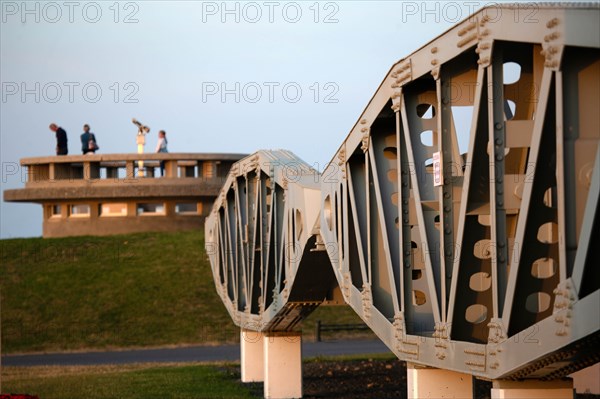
[208, 170]
[533, 389]
[132, 209]
[437, 383]
[169, 208]
[283, 365]
[587, 380]
[94, 211]
[252, 356]
[130, 169]
[87, 171]
[170, 169]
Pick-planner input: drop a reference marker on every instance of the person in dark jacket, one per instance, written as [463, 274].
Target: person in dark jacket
[88, 141]
[61, 139]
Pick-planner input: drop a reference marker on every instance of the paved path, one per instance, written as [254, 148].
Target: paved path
[186, 354]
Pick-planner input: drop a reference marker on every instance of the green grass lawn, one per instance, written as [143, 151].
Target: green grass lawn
[149, 289]
[136, 381]
[145, 381]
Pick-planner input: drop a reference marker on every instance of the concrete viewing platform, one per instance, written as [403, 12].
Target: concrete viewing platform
[108, 194]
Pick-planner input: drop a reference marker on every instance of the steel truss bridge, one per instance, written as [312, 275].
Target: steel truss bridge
[465, 247]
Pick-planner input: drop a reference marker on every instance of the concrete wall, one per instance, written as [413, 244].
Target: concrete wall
[66, 224]
[85, 183]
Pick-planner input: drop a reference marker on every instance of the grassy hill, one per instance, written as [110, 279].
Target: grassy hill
[136, 290]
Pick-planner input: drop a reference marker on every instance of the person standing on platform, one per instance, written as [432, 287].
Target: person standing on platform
[88, 141]
[161, 146]
[61, 139]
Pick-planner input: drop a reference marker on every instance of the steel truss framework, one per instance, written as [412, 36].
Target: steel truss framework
[464, 246]
[261, 239]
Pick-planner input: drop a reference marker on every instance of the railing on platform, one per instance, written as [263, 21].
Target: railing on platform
[128, 166]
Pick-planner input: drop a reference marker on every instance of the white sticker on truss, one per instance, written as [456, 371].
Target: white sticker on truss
[437, 170]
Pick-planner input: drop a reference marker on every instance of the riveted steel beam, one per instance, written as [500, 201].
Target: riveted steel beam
[457, 216]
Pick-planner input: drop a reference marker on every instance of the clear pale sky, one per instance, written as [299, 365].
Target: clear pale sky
[217, 76]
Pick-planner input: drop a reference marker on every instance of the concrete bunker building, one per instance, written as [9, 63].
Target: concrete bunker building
[107, 194]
